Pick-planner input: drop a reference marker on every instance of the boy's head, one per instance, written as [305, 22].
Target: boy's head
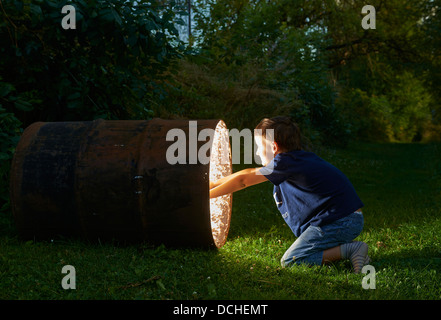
[276, 135]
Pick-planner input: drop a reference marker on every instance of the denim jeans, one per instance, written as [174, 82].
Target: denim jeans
[309, 246]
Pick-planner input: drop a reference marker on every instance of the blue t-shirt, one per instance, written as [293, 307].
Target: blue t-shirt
[309, 191]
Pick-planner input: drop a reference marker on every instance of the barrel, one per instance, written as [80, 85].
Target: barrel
[124, 180]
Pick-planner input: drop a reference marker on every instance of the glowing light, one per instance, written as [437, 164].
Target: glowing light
[220, 166]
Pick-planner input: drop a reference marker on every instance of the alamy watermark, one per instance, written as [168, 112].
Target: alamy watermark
[369, 281]
[177, 152]
[369, 21]
[69, 280]
[69, 21]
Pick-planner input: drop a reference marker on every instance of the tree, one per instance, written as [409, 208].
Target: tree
[109, 66]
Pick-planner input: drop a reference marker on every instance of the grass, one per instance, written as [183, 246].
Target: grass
[400, 185]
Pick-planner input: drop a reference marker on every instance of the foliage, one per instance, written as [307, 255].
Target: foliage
[10, 131]
[274, 59]
[317, 54]
[385, 78]
[400, 113]
[107, 67]
[206, 92]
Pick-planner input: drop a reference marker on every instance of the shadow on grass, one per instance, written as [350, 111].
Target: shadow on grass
[424, 259]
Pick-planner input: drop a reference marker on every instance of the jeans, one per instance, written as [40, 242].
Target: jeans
[309, 246]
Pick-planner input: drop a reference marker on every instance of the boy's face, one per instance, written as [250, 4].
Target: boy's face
[266, 150]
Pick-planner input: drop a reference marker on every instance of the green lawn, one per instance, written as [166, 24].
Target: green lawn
[400, 185]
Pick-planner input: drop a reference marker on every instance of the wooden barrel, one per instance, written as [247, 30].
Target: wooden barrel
[112, 180]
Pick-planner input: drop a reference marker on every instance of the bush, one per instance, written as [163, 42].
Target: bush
[400, 113]
[10, 131]
[201, 91]
[107, 67]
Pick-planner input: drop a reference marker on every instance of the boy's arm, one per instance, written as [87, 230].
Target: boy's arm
[235, 182]
[216, 183]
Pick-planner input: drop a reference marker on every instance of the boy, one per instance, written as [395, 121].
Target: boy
[316, 200]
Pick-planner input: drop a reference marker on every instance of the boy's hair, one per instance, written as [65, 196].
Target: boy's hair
[286, 133]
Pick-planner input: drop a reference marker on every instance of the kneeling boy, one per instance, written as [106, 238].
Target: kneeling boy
[316, 200]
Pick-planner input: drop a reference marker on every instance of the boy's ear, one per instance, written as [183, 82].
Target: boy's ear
[275, 147]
